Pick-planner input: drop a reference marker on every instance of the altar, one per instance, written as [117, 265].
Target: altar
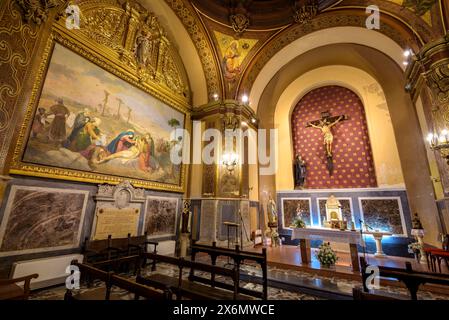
[352, 238]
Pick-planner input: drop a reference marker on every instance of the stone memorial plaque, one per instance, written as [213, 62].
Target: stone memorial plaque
[208, 221]
[116, 222]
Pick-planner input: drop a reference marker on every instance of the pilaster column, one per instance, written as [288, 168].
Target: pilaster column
[429, 71]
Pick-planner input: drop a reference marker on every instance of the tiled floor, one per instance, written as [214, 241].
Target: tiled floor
[285, 284]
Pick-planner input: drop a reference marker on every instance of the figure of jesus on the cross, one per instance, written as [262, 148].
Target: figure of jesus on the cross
[325, 124]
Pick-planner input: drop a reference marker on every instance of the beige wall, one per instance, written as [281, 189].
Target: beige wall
[435, 174]
[355, 35]
[383, 142]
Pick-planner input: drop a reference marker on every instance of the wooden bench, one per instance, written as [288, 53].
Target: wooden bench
[113, 248]
[360, 294]
[10, 290]
[111, 280]
[238, 257]
[190, 289]
[116, 265]
[411, 279]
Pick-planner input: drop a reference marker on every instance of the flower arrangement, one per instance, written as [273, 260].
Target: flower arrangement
[326, 255]
[298, 223]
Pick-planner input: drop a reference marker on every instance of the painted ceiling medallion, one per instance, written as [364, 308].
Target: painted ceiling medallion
[304, 13]
[239, 23]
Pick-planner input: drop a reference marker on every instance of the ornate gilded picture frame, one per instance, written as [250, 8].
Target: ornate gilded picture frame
[102, 113]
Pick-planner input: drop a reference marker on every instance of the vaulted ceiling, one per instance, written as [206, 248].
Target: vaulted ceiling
[262, 14]
[255, 30]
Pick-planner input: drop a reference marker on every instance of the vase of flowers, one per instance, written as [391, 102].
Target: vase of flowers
[298, 223]
[326, 255]
[415, 248]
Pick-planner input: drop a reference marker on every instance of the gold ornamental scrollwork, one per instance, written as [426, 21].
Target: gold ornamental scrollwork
[36, 11]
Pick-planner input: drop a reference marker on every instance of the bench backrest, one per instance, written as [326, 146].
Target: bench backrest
[138, 289]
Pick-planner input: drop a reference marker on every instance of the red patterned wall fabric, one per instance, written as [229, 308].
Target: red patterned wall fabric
[353, 160]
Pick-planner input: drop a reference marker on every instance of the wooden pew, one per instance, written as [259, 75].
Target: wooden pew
[238, 257]
[190, 289]
[89, 274]
[360, 294]
[116, 265]
[139, 289]
[9, 290]
[113, 248]
[110, 280]
[411, 279]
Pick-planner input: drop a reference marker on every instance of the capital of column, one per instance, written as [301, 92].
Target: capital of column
[430, 66]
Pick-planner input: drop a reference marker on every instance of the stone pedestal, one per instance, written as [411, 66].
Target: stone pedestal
[378, 238]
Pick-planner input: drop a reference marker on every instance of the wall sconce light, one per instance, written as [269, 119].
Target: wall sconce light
[440, 143]
[230, 160]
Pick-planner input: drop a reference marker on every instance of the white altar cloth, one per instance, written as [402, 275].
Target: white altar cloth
[351, 237]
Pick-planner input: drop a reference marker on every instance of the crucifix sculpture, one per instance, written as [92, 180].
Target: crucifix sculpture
[325, 124]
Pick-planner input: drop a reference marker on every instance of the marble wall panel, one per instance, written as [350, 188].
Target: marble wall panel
[291, 207]
[41, 219]
[161, 216]
[383, 214]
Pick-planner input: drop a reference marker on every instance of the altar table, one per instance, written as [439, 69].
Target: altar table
[353, 238]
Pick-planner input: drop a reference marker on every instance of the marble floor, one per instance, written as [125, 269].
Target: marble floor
[284, 284]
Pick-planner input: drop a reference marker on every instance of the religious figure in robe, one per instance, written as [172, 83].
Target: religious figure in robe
[231, 61]
[325, 126]
[81, 120]
[272, 210]
[86, 136]
[57, 131]
[122, 142]
[300, 171]
[146, 161]
[39, 122]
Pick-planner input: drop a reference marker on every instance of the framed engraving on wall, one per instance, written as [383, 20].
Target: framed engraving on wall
[102, 111]
[161, 216]
[42, 219]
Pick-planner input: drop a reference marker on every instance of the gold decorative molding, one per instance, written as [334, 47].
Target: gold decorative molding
[202, 44]
[135, 35]
[36, 11]
[19, 40]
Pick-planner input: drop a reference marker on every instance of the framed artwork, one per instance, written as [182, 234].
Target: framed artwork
[42, 219]
[161, 216]
[291, 207]
[88, 121]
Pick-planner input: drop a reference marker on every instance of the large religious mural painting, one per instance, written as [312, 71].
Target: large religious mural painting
[161, 216]
[42, 219]
[90, 120]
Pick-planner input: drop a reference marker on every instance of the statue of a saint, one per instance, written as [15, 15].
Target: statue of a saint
[272, 210]
[185, 217]
[300, 171]
[416, 223]
[325, 126]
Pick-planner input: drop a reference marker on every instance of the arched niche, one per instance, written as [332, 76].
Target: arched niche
[383, 142]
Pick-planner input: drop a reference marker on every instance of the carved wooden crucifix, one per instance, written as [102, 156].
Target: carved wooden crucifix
[325, 124]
